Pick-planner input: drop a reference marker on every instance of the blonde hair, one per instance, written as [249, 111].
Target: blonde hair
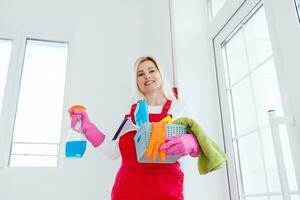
[166, 87]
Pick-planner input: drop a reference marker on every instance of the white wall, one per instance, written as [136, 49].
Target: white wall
[156, 31]
[197, 84]
[106, 38]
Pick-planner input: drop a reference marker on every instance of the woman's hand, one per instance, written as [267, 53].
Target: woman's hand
[91, 132]
[78, 115]
[182, 145]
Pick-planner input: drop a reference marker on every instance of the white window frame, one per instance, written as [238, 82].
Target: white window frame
[219, 31]
[211, 13]
[210, 10]
[223, 16]
[5, 115]
[14, 75]
[297, 6]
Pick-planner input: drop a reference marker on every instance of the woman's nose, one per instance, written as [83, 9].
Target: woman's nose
[147, 75]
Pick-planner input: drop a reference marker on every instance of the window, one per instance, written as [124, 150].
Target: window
[5, 51]
[251, 90]
[297, 4]
[214, 6]
[38, 116]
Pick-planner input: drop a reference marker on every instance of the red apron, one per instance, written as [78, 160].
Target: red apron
[146, 181]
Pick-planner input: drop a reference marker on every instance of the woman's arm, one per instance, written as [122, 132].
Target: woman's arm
[95, 136]
[110, 148]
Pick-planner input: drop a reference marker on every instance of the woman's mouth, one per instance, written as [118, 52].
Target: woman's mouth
[148, 82]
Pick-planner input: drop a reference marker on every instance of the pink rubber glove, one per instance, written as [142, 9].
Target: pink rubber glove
[182, 145]
[91, 132]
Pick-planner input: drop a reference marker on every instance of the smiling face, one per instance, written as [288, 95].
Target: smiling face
[148, 78]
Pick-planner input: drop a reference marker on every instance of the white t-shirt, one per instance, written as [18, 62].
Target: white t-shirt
[178, 109]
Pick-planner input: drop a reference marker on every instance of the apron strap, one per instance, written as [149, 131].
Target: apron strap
[164, 111]
[133, 107]
[166, 107]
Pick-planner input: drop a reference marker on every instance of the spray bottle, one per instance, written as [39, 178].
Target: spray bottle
[75, 142]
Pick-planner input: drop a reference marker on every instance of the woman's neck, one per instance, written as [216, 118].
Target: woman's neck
[155, 99]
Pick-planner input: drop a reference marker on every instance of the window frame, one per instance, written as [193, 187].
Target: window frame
[297, 7]
[14, 75]
[213, 13]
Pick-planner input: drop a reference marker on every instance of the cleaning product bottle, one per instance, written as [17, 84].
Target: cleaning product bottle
[76, 142]
[141, 113]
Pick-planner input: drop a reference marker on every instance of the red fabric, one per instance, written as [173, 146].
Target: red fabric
[146, 181]
[175, 91]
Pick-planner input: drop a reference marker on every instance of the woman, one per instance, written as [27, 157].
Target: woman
[147, 181]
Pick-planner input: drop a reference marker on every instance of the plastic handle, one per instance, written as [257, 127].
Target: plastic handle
[77, 126]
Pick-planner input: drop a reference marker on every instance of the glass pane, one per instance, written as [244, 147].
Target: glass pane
[41, 149]
[216, 6]
[257, 198]
[244, 109]
[258, 39]
[236, 57]
[237, 163]
[270, 161]
[225, 66]
[33, 161]
[295, 197]
[39, 111]
[266, 91]
[287, 156]
[276, 198]
[232, 121]
[252, 164]
[5, 51]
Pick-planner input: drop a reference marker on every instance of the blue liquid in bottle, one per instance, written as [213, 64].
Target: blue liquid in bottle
[75, 149]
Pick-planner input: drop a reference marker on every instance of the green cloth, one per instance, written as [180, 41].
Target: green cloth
[212, 156]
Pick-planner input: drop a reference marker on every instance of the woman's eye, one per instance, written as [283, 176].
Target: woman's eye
[140, 74]
[151, 71]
